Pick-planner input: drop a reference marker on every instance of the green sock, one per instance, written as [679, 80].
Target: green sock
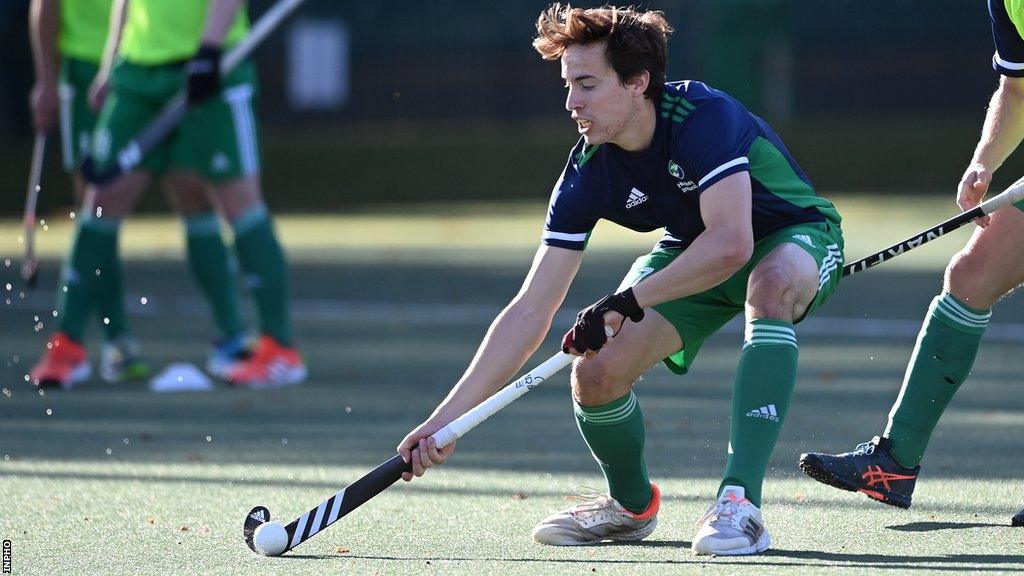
[942, 360]
[110, 300]
[208, 260]
[93, 254]
[615, 434]
[265, 271]
[760, 399]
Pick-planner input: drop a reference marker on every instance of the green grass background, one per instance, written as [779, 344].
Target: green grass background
[183, 469]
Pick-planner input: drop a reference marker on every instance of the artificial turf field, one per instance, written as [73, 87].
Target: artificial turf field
[114, 479]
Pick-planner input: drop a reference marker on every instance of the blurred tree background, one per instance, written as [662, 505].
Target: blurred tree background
[381, 103]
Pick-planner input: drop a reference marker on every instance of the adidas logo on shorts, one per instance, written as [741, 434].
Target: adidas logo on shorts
[767, 412]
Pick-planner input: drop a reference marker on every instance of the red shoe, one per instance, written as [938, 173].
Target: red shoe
[270, 366]
[64, 364]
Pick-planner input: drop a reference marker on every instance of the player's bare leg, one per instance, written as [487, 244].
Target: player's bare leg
[611, 422]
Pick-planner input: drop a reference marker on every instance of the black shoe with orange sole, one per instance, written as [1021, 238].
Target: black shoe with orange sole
[869, 469]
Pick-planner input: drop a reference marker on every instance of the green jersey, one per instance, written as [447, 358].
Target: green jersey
[83, 29]
[160, 31]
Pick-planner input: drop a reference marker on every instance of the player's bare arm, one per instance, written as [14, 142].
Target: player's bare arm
[513, 337]
[44, 26]
[98, 89]
[716, 254]
[1001, 134]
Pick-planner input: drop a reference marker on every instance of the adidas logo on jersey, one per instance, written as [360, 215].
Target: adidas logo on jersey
[636, 198]
[767, 412]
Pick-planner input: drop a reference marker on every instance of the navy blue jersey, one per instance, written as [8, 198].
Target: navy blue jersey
[701, 136]
[1009, 57]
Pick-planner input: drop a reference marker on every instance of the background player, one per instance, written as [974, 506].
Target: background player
[214, 148]
[989, 267]
[67, 46]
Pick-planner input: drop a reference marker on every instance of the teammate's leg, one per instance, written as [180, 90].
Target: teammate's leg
[211, 265]
[886, 468]
[265, 273]
[93, 261]
[991, 265]
[119, 355]
[610, 420]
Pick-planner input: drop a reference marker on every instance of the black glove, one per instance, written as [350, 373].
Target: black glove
[203, 72]
[588, 332]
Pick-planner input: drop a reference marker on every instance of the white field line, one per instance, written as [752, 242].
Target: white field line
[332, 310]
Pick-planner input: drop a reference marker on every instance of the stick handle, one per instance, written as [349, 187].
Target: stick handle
[30, 264]
[388, 472]
[32, 193]
[1014, 193]
[458, 427]
[174, 111]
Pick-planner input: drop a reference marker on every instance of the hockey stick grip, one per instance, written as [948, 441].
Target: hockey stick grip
[1014, 193]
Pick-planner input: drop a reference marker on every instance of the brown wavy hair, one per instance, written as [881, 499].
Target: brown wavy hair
[634, 40]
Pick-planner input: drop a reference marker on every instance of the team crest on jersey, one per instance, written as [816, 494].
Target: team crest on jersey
[676, 172]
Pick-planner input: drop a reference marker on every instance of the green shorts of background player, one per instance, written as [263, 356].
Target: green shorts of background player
[213, 150]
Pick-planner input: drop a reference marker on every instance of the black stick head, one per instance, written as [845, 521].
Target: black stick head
[92, 175]
[258, 515]
[30, 272]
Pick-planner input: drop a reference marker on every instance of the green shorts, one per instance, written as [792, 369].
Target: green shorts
[76, 118]
[217, 139]
[1019, 205]
[699, 316]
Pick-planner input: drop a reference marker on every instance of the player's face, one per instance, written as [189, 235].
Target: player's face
[602, 107]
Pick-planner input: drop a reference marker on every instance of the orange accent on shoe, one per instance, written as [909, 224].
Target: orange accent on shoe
[63, 355]
[259, 367]
[872, 494]
[732, 496]
[652, 508]
[878, 476]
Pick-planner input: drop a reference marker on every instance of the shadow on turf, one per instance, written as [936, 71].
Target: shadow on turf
[874, 561]
[933, 526]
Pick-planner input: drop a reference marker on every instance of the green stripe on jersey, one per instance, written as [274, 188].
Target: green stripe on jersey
[769, 167]
[676, 107]
[585, 154]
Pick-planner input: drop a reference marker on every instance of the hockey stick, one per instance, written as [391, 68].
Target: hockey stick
[174, 111]
[372, 483]
[1014, 193]
[30, 266]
